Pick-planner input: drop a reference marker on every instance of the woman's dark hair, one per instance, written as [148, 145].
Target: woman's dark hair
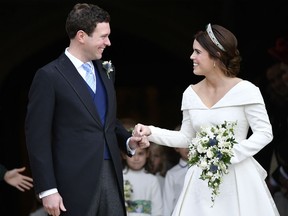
[229, 57]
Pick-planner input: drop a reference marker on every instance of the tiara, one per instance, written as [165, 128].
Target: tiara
[213, 38]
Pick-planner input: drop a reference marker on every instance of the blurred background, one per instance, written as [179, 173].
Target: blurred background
[151, 48]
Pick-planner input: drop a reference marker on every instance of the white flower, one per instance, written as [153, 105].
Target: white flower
[203, 164]
[210, 153]
[201, 149]
[107, 65]
[211, 150]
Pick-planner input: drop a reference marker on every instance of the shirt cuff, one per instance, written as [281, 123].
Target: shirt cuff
[130, 151]
[47, 193]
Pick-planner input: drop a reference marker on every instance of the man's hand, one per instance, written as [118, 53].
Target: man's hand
[53, 204]
[138, 142]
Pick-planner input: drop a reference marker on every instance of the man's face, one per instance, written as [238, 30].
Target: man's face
[97, 42]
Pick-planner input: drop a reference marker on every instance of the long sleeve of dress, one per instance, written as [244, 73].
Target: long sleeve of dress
[172, 138]
[261, 133]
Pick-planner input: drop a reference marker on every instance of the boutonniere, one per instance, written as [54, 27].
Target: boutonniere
[107, 65]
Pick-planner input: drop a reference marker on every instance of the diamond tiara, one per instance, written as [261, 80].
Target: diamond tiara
[213, 38]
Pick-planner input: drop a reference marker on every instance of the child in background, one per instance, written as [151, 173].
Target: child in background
[143, 199]
[174, 181]
[157, 162]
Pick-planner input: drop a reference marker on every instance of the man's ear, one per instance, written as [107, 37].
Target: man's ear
[80, 36]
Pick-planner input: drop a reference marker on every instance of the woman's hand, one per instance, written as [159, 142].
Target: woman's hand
[141, 130]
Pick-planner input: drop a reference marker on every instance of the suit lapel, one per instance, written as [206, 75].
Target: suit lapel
[70, 73]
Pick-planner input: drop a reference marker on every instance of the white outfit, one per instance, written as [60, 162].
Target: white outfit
[173, 184]
[161, 180]
[243, 191]
[146, 193]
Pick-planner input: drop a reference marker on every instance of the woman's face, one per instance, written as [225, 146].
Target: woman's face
[202, 62]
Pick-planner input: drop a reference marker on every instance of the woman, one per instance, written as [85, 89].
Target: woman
[220, 96]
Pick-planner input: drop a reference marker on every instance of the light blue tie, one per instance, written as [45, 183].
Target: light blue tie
[90, 76]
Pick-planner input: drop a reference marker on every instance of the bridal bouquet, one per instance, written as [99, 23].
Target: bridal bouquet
[211, 150]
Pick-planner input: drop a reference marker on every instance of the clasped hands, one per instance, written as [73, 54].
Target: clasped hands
[139, 137]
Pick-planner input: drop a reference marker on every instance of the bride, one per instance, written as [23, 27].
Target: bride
[221, 96]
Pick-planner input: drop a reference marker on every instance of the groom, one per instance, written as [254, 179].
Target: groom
[73, 143]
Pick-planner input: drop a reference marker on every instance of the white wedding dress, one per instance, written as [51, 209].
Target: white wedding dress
[243, 191]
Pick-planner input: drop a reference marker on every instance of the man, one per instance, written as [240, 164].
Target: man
[72, 134]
